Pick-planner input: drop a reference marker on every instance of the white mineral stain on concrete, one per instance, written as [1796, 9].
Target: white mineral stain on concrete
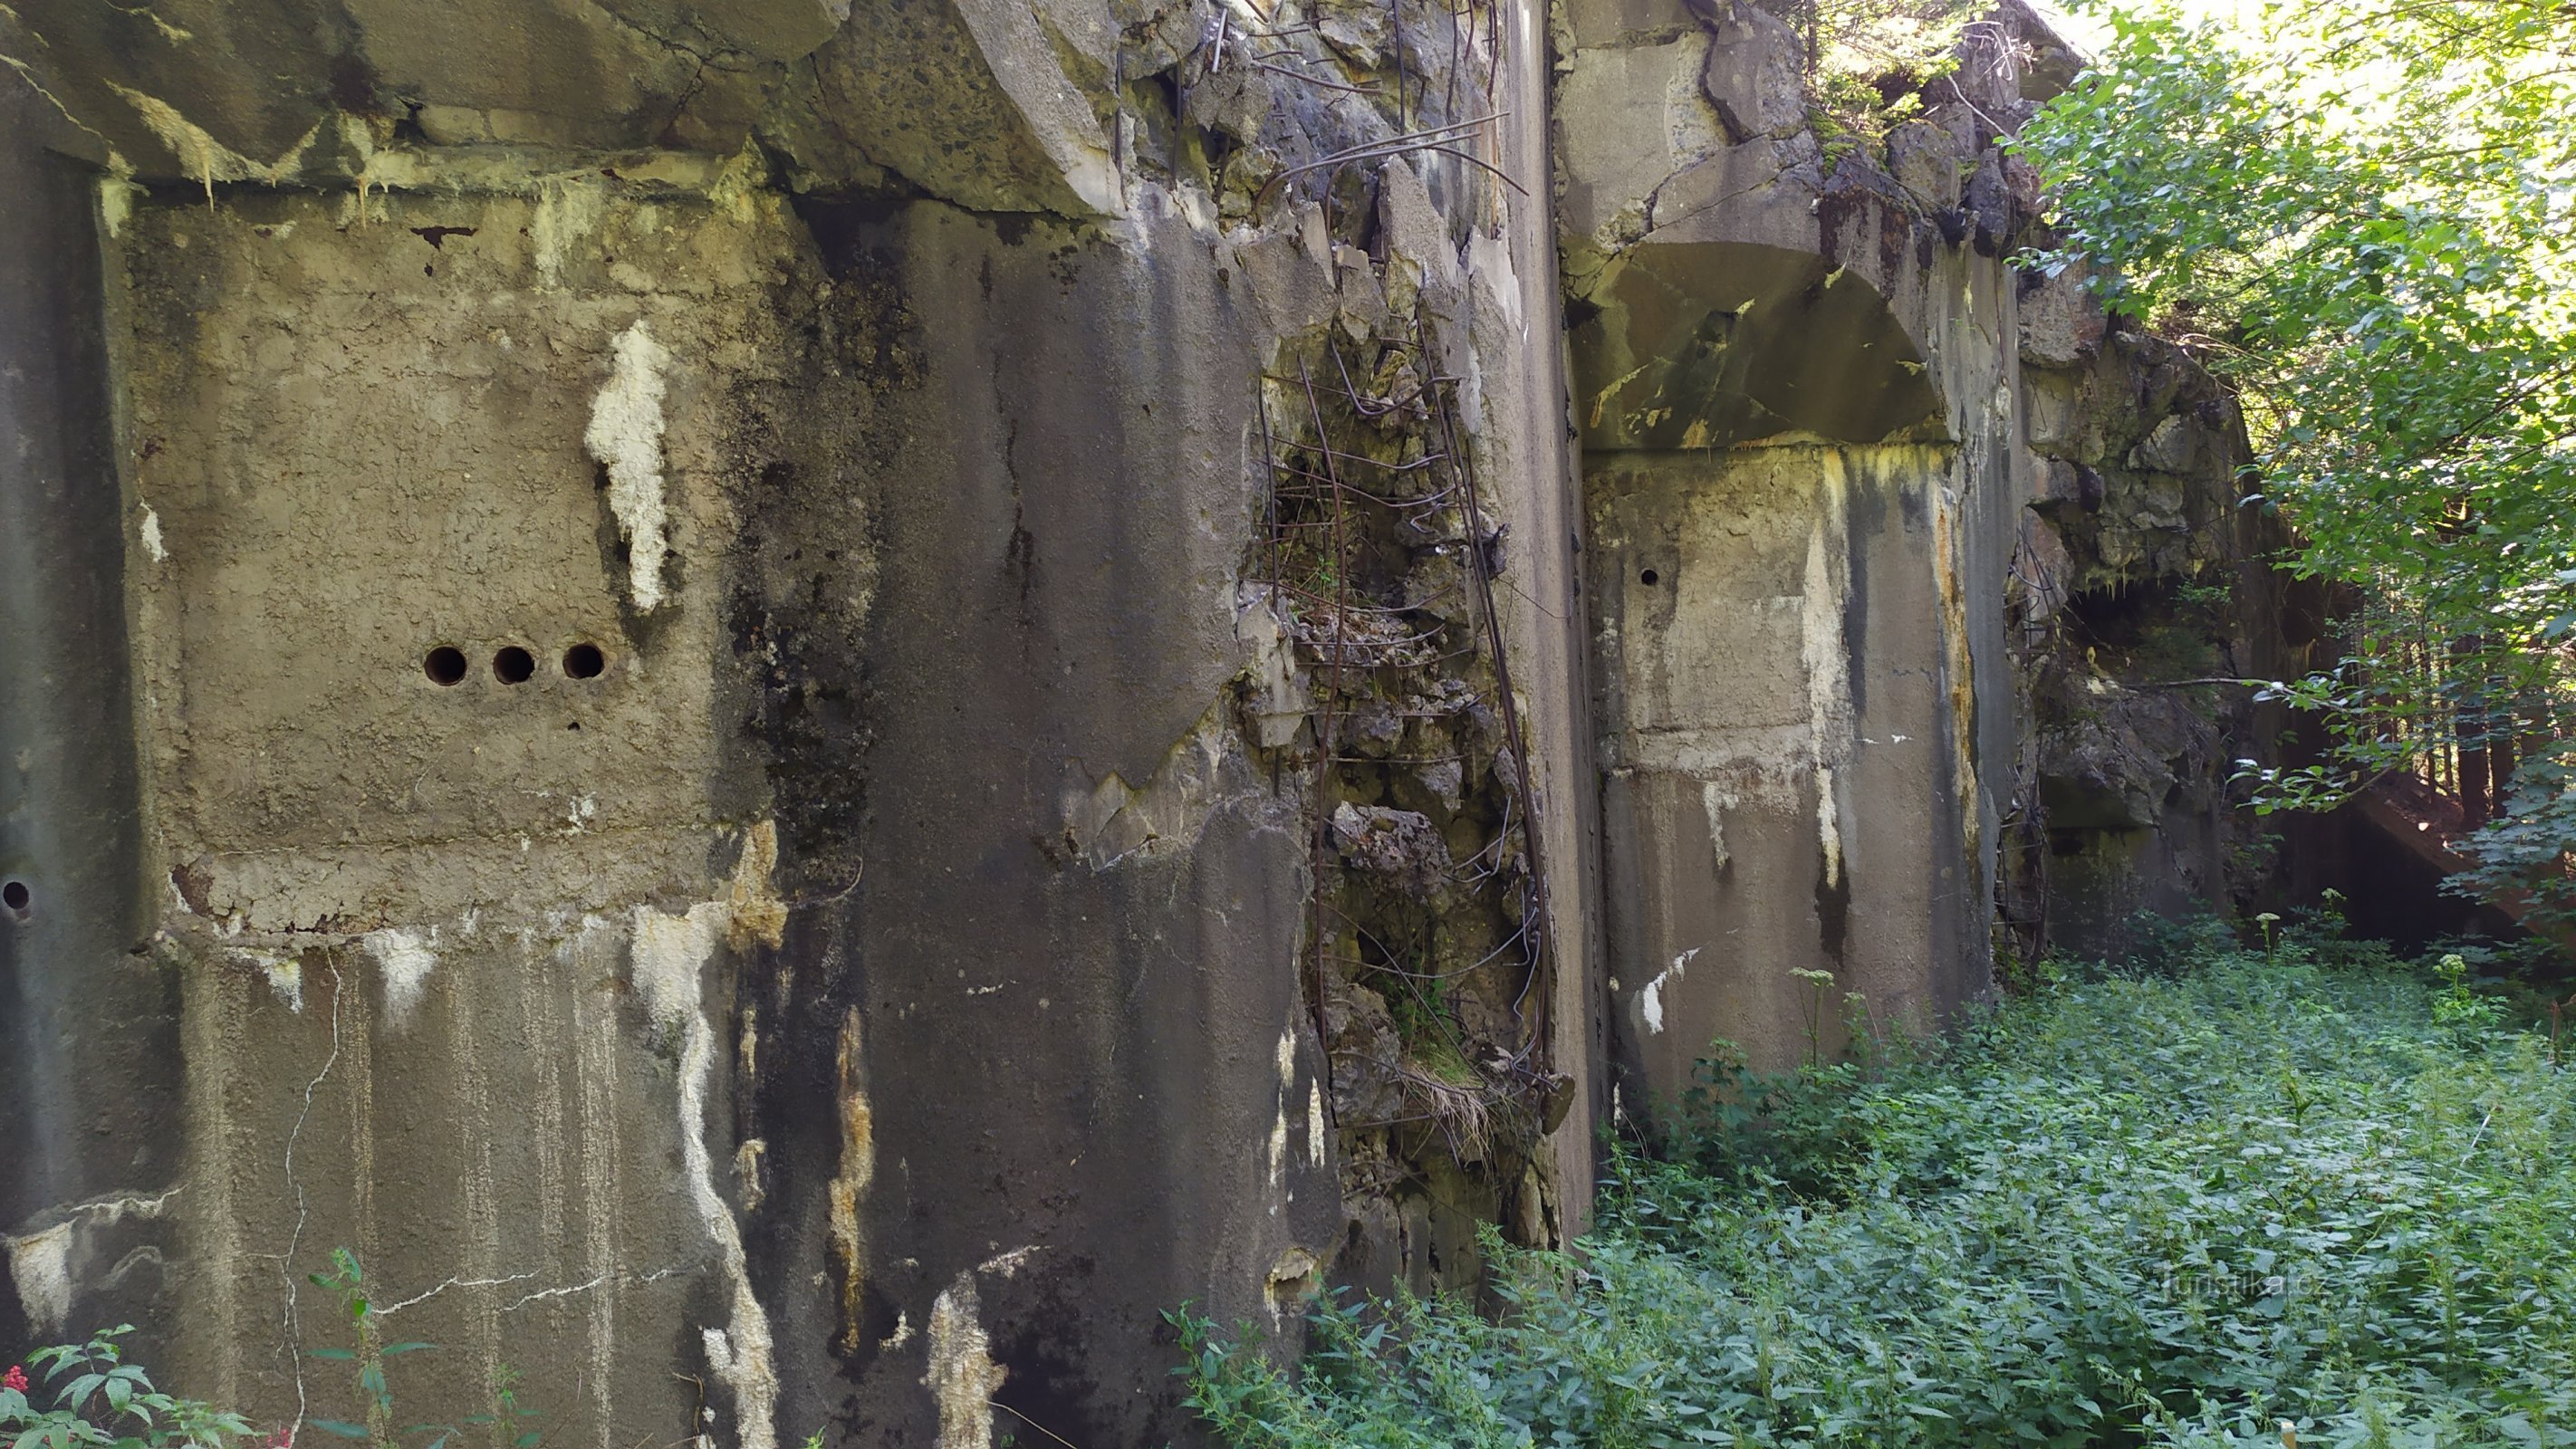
[666, 955]
[151, 531]
[41, 1262]
[40, 1266]
[1824, 598]
[286, 979]
[1314, 1124]
[1829, 834]
[625, 435]
[1286, 1056]
[963, 1377]
[115, 201]
[206, 158]
[1650, 998]
[567, 213]
[1714, 800]
[405, 958]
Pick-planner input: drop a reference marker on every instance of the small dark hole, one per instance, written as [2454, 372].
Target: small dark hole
[584, 661]
[445, 664]
[14, 895]
[513, 665]
[1650, 578]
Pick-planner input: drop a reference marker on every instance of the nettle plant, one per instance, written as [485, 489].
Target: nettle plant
[105, 1400]
[506, 1423]
[90, 1395]
[2248, 1196]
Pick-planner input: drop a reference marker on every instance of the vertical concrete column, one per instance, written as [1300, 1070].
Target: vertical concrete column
[88, 1036]
[1793, 382]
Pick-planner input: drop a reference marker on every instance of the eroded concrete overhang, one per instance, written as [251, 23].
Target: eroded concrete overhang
[1707, 344]
[996, 105]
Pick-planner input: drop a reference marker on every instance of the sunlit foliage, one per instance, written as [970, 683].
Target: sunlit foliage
[2363, 214]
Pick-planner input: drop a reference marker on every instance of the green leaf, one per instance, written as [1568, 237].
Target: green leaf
[339, 1427]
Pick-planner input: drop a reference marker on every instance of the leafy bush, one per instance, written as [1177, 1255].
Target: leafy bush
[2183, 1210]
[2522, 855]
[2356, 213]
[110, 1402]
[105, 1401]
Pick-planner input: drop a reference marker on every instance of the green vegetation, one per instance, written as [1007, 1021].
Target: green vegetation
[1869, 63]
[109, 1402]
[105, 1401]
[2291, 1192]
[507, 1426]
[2362, 215]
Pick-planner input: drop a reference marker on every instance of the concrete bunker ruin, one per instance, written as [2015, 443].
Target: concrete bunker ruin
[1789, 782]
[665, 702]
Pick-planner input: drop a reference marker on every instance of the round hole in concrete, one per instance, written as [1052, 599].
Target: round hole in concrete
[445, 664]
[1650, 578]
[16, 897]
[512, 664]
[584, 661]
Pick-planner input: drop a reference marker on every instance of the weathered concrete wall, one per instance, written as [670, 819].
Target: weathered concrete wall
[714, 801]
[2141, 588]
[1801, 404]
[87, 1054]
[801, 705]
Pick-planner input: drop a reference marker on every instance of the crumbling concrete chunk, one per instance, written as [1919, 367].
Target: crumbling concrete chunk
[2061, 324]
[1753, 74]
[2116, 759]
[2042, 568]
[1924, 158]
[2068, 485]
[1989, 201]
[2171, 448]
[1401, 845]
[970, 101]
[1368, 1057]
[766, 29]
[1623, 125]
[1357, 35]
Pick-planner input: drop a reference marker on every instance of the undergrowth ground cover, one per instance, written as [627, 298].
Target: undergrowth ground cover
[2295, 1194]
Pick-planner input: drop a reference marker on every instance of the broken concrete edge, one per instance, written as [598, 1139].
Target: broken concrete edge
[993, 105]
[1697, 134]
